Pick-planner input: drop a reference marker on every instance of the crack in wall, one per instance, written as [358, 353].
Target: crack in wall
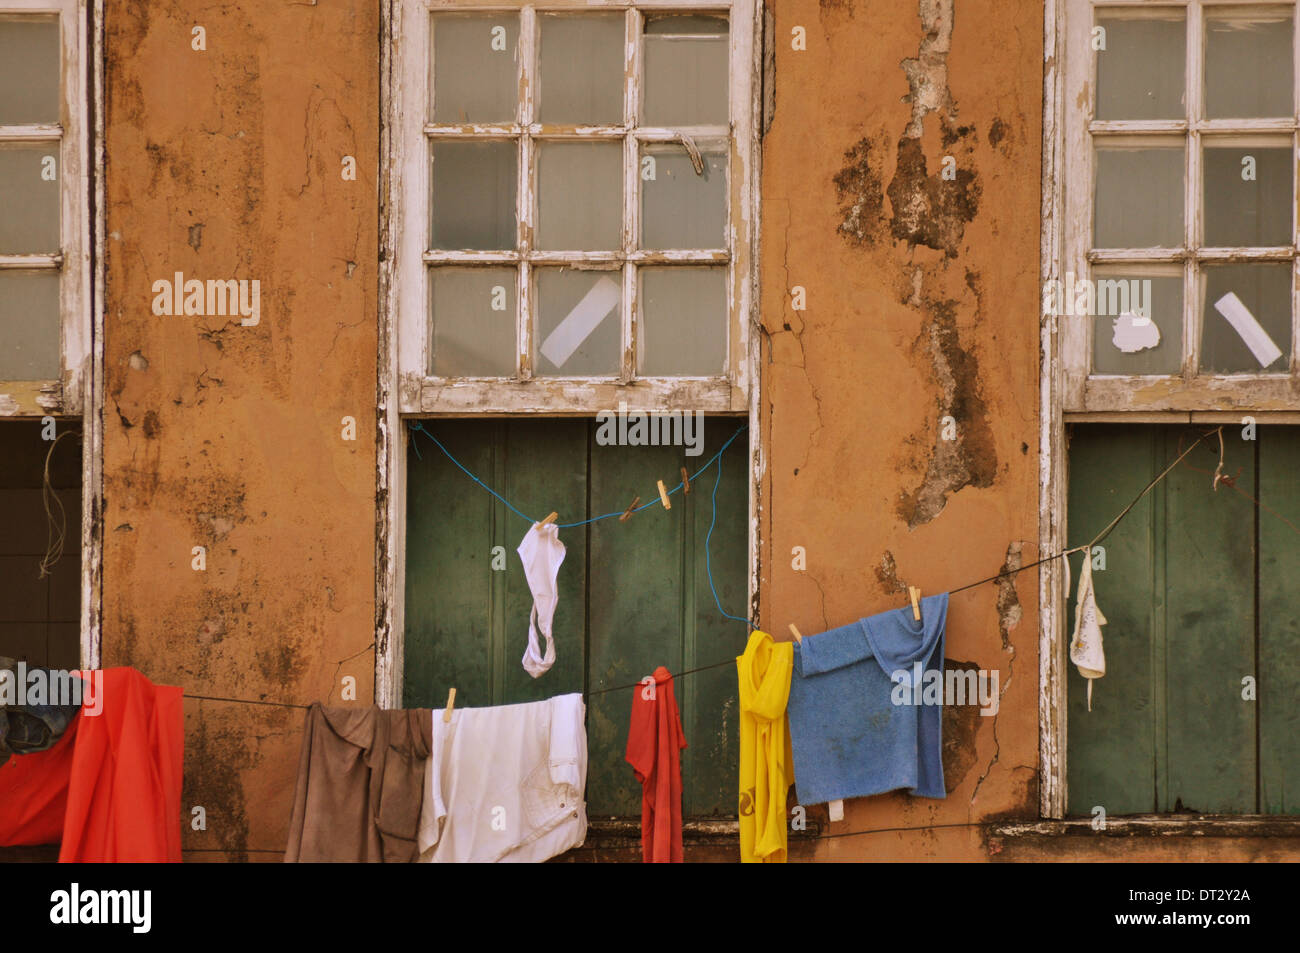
[1009, 615]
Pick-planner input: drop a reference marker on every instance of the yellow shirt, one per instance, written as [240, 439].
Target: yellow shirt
[766, 765]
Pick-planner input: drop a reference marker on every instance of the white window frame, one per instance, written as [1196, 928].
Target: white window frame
[407, 390]
[78, 391]
[1067, 391]
[70, 136]
[422, 393]
[1189, 390]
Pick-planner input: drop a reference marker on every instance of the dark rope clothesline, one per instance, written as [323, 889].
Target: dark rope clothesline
[1004, 574]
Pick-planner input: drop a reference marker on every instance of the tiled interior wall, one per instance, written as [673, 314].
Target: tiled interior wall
[39, 617]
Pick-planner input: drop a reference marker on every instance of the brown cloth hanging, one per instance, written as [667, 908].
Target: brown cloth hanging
[360, 785]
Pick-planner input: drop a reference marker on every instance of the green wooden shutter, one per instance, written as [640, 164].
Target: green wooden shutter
[1279, 620]
[1199, 593]
[633, 595]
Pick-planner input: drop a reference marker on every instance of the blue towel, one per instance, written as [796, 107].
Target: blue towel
[849, 739]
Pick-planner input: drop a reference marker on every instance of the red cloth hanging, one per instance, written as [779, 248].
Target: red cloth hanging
[34, 793]
[654, 742]
[116, 775]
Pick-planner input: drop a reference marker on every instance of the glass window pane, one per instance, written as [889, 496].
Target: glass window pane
[578, 327]
[1137, 321]
[1248, 195]
[29, 70]
[683, 326]
[580, 196]
[680, 208]
[473, 315]
[29, 326]
[685, 71]
[581, 69]
[1139, 198]
[475, 68]
[29, 197]
[1246, 318]
[1248, 66]
[473, 195]
[1142, 70]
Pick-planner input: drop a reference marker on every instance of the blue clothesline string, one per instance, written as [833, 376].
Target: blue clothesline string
[716, 458]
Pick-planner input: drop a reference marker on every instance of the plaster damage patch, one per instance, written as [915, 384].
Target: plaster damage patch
[969, 459]
[932, 211]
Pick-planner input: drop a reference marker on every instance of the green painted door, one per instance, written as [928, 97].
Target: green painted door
[633, 595]
[1198, 589]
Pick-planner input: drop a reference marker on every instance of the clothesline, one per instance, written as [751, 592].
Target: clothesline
[1004, 574]
[713, 518]
[417, 426]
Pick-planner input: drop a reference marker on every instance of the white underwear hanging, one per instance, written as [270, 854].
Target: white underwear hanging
[541, 552]
[1085, 648]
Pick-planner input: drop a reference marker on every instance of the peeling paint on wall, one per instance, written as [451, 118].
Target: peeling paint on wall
[925, 209]
[969, 459]
[932, 211]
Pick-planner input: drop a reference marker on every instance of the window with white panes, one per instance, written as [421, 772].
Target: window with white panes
[1180, 165]
[575, 224]
[44, 214]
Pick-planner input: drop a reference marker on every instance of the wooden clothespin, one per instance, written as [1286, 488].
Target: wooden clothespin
[663, 496]
[686, 482]
[451, 703]
[550, 519]
[915, 595]
[627, 513]
[795, 632]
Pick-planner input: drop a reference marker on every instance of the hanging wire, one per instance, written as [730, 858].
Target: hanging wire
[595, 519]
[57, 530]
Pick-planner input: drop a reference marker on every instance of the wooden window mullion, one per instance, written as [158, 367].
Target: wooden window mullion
[526, 197]
[1192, 232]
[631, 191]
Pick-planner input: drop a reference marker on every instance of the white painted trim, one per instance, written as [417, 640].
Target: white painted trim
[389, 435]
[405, 387]
[1051, 461]
[73, 258]
[409, 77]
[79, 135]
[1084, 392]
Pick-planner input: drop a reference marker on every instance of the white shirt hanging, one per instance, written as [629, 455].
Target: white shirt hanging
[506, 783]
[541, 552]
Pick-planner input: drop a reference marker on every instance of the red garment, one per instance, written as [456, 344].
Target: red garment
[654, 742]
[120, 779]
[34, 793]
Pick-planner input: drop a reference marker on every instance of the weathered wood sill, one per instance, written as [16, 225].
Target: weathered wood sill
[1158, 825]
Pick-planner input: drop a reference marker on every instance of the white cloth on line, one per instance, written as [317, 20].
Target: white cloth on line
[541, 552]
[1085, 647]
[506, 784]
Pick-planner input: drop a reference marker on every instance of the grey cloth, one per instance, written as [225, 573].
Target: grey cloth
[360, 785]
[26, 729]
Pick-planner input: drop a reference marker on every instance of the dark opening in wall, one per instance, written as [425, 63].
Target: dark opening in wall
[40, 615]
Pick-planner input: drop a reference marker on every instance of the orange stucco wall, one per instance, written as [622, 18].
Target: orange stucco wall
[226, 163]
[922, 299]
